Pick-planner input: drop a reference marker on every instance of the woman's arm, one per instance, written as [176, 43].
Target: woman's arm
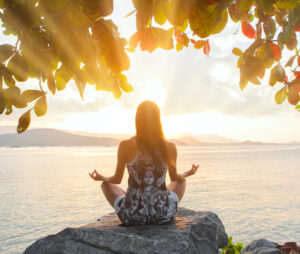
[117, 177]
[174, 176]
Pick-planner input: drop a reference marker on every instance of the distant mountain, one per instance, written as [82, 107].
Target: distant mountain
[8, 129]
[120, 136]
[188, 140]
[206, 139]
[53, 137]
[212, 138]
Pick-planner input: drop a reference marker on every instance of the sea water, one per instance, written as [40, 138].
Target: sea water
[254, 189]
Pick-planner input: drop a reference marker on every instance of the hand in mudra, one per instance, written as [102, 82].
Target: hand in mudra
[192, 171]
[96, 176]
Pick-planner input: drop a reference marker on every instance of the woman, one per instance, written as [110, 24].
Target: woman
[148, 157]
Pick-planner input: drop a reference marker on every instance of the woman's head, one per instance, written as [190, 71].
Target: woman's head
[148, 125]
[147, 122]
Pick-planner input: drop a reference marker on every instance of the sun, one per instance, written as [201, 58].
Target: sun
[153, 90]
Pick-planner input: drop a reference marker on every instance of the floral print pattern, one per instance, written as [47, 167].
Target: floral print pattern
[147, 200]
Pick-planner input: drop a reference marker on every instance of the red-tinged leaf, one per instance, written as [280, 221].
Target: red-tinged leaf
[295, 84]
[206, 48]
[135, 39]
[199, 44]
[275, 50]
[180, 39]
[297, 74]
[298, 61]
[297, 28]
[293, 96]
[285, 78]
[148, 42]
[248, 30]
[177, 32]
[193, 41]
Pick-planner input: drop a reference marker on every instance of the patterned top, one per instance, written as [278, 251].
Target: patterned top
[147, 200]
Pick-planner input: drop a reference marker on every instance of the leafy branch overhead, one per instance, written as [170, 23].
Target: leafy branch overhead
[63, 40]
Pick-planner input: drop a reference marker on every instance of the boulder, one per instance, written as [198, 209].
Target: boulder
[261, 246]
[190, 232]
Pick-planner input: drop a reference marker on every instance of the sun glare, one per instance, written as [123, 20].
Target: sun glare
[153, 90]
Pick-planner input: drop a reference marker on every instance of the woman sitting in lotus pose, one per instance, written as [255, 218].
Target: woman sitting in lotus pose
[148, 156]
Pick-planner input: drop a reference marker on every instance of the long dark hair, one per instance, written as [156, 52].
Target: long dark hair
[149, 132]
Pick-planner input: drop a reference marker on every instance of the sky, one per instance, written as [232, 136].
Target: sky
[196, 94]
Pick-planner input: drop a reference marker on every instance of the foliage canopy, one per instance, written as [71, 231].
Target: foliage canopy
[63, 40]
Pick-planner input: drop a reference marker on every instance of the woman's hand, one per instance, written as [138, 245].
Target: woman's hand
[192, 171]
[96, 176]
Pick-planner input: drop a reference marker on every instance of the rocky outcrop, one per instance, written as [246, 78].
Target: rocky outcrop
[261, 246]
[190, 232]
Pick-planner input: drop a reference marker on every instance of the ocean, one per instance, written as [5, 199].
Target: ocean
[254, 189]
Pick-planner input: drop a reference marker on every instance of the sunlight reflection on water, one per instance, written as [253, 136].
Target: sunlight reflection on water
[254, 189]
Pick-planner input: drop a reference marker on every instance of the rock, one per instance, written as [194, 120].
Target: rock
[190, 232]
[261, 246]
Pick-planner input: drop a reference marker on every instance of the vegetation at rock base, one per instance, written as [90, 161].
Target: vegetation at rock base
[63, 40]
[232, 248]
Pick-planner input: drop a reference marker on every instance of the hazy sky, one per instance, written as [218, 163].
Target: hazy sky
[197, 94]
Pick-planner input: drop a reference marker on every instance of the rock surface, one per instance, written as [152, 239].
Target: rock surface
[261, 246]
[190, 232]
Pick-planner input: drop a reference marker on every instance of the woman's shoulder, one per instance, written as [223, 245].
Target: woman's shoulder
[130, 142]
[171, 146]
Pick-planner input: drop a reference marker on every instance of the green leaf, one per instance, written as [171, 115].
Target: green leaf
[31, 94]
[280, 96]
[126, 87]
[184, 26]
[294, 16]
[252, 69]
[122, 77]
[269, 28]
[163, 38]
[13, 95]
[159, 15]
[245, 5]
[19, 67]
[265, 5]
[287, 4]
[179, 47]
[62, 77]
[40, 107]
[51, 84]
[221, 21]
[266, 55]
[2, 102]
[117, 93]
[8, 79]
[277, 75]
[6, 51]
[237, 52]
[24, 122]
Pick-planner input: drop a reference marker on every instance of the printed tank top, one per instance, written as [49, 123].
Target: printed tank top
[147, 200]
